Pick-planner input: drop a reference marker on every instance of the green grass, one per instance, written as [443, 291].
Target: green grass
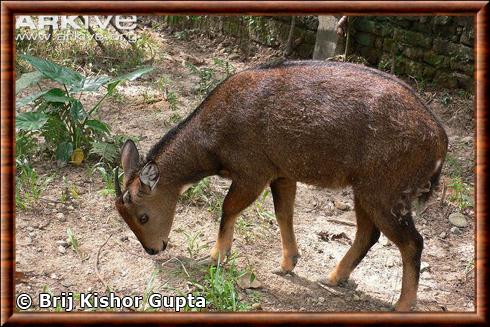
[194, 244]
[218, 287]
[461, 193]
[202, 195]
[29, 186]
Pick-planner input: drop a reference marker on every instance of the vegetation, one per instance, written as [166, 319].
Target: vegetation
[60, 117]
[218, 287]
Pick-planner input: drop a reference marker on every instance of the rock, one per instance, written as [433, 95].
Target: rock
[60, 216]
[62, 243]
[61, 249]
[356, 297]
[70, 208]
[426, 275]
[28, 240]
[234, 56]
[30, 228]
[53, 276]
[455, 230]
[390, 262]
[457, 219]
[424, 266]
[256, 306]
[383, 240]
[321, 299]
[248, 281]
[341, 205]
[467, 139]
[442, 235]
[124, 238]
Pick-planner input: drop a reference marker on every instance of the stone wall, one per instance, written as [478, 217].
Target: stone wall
[436, 49]
[269, 31]
[431, 49]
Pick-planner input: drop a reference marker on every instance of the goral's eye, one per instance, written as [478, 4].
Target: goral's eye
[143, 219]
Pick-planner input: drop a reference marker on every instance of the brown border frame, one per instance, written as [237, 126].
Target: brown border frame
[10, 8]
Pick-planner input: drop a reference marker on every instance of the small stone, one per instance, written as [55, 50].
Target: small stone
[62, 243]
[124, 238]
[53, 276]
[256, 306]
[457, 219]
[426, 275]
[234, 56]
[70, 208]
[247, 281]
[467, 139]
[455, 230]
[61, 216]
[424, 266]
[30, 228]
[341, 205]
[356, 297]
[390, 262]
[321, 299]
[61, 249]
[442, 235]
[28, 240]
[383, 240]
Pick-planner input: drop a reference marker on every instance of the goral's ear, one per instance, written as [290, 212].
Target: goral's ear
[150, 175]
[129, 157]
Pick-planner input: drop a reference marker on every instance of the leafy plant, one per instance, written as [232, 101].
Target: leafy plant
[28, 185]
[59, 116]
[108, 178]
[260, 208]
[149, 290]
[461, 194]
[193, 243]
[172, 100]
[218, 287]
[72, 240]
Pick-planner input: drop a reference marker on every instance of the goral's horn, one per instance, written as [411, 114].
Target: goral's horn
[116, 183]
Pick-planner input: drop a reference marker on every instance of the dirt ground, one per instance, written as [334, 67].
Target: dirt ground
[110, 254]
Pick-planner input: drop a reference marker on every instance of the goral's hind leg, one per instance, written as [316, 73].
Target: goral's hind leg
[240, 195]
[283, 193]
[367, 235]
[401, 231]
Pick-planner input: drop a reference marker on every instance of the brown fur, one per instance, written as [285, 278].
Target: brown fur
[327, 124]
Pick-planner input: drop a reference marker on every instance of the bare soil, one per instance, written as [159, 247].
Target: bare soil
[324, 219]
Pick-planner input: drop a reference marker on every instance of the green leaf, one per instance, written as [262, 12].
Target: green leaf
[112, 86]
[63, 152]
[30, 121]
[91, 84]
[133, 75]
[54, 71]
[76, 111]
[58, 96]
[28, 99]
[27, 80]
[98, 126]
[55, 131]
[107, 151]
[127, 77]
